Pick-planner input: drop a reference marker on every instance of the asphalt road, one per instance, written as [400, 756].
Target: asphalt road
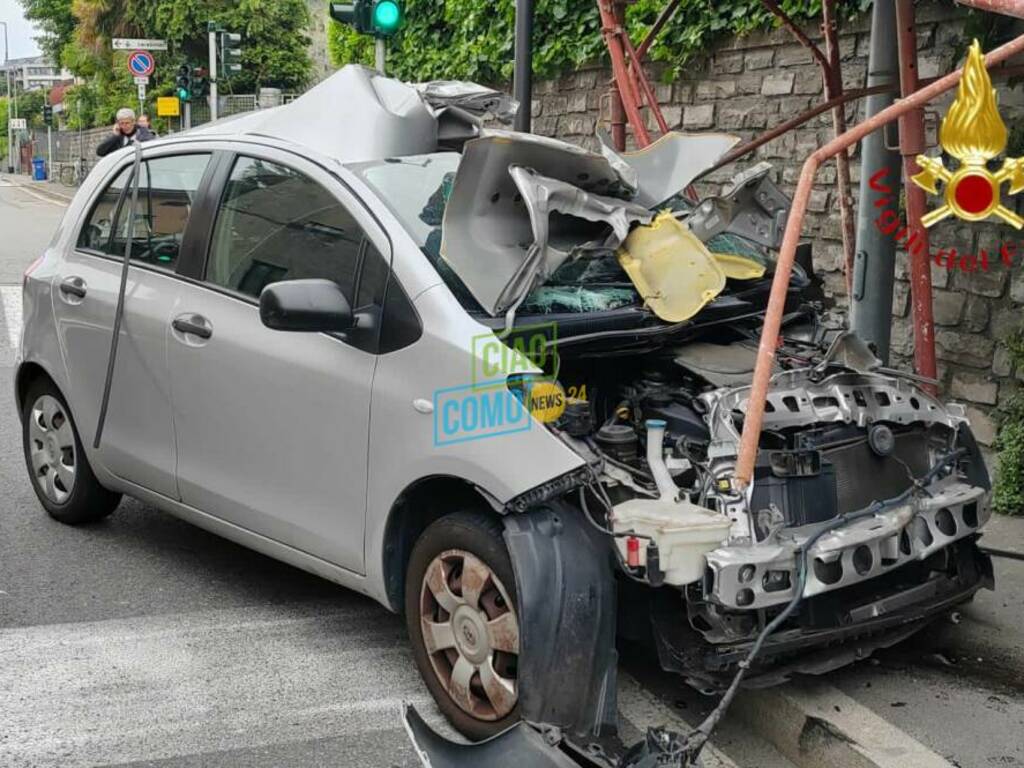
[145, 641]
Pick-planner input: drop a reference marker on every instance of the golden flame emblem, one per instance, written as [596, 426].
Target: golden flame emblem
[974, 133]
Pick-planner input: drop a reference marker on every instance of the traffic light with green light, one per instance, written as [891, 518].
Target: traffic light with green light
[386, 17]
[183, 83]
[380, 18]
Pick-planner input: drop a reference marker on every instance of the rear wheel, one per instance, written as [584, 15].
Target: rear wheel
[60, 473]
[460, 609]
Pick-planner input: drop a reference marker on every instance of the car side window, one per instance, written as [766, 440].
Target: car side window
[274, 223]
[95, 233]
[167, 189]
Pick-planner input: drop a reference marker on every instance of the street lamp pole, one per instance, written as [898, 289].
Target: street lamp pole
[10, 104]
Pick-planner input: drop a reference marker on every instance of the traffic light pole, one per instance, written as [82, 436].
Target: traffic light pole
[380, 49]
[213, 76]
[188, 115]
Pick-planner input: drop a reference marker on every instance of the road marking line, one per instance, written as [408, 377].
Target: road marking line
[10, 320]
[159, 687]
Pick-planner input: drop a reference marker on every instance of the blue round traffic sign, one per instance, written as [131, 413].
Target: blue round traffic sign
[141, 63]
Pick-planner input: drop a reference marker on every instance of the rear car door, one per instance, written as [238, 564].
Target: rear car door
[138, 438]
[272, 427]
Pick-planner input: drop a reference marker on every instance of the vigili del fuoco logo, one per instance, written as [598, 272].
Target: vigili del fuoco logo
[973, 133]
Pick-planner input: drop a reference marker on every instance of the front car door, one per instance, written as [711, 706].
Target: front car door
[138, 438]
[272, 427]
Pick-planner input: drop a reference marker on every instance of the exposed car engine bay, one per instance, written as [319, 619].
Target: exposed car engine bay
[659, 431]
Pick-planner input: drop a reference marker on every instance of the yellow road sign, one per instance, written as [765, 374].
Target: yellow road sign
[168, 106]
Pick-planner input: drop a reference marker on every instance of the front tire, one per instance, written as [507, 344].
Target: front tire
[58, 468]
[460, 611]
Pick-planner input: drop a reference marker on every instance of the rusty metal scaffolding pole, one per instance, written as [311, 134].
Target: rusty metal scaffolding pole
[832, 83]
[834, 89]
[613, 29]
[912, 144]
[754, 415]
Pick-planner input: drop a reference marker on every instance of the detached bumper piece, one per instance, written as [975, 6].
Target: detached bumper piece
[519, 747]
[527, 746]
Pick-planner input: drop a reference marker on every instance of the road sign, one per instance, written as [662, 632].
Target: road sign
[131, 44]
[141, 80]
[142, 92]
[141, 63]
[168, 106]
[19, 124]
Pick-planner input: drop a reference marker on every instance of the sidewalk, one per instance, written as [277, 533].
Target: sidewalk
[52, 189]
[990, 633]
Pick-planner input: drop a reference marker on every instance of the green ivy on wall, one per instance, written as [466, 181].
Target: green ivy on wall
[1009, 490]
[473, 39]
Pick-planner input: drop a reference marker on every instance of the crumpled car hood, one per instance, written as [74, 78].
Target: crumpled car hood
[521, 205]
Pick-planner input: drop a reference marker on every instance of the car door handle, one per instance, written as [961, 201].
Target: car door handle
[73, 286]
[194, 326]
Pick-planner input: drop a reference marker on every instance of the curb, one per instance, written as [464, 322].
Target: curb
[40, 187]
[815, 725]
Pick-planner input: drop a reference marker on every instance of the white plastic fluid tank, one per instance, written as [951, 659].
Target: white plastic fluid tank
[684, 533]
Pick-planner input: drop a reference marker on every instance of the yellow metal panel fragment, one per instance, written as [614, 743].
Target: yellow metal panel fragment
[738, 267]
[671, 268]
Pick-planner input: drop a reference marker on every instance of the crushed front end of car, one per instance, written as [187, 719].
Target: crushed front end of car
[868, 495]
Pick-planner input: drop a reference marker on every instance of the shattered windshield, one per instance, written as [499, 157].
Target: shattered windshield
[416, 189]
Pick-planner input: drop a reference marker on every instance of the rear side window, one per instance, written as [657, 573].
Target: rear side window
[275, 224]
[95, 234]
[167, 189]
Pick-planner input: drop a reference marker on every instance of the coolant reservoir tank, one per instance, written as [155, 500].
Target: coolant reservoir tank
[684, 533]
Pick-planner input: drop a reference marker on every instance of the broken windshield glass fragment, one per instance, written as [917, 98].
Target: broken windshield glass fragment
[674, 272]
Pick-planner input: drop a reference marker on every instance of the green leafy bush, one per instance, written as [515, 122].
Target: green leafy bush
[473, 39]
[1009, 491]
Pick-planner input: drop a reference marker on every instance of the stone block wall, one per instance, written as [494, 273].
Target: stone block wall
[750, 84]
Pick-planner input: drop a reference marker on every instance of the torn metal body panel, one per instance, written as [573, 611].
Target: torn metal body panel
[474, 99]
[494, 215]
[564, 221]
[751, 206]
[667, 166]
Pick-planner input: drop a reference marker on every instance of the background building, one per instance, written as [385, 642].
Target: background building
[34, 72]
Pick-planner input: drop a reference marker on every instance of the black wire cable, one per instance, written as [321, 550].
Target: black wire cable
[119, 312]
[699, 737]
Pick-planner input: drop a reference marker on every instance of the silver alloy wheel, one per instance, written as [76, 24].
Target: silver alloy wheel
[52, 449]
[471, 634]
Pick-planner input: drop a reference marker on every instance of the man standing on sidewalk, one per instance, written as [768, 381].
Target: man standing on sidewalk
[125, 131]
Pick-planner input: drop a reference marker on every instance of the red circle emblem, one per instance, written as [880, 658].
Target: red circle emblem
[974, 193]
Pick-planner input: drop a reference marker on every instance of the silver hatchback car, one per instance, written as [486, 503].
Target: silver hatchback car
[400, 351]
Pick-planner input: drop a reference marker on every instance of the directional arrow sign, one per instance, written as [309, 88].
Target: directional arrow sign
[131, 44]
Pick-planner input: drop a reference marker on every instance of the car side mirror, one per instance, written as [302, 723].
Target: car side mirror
[305, 305]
